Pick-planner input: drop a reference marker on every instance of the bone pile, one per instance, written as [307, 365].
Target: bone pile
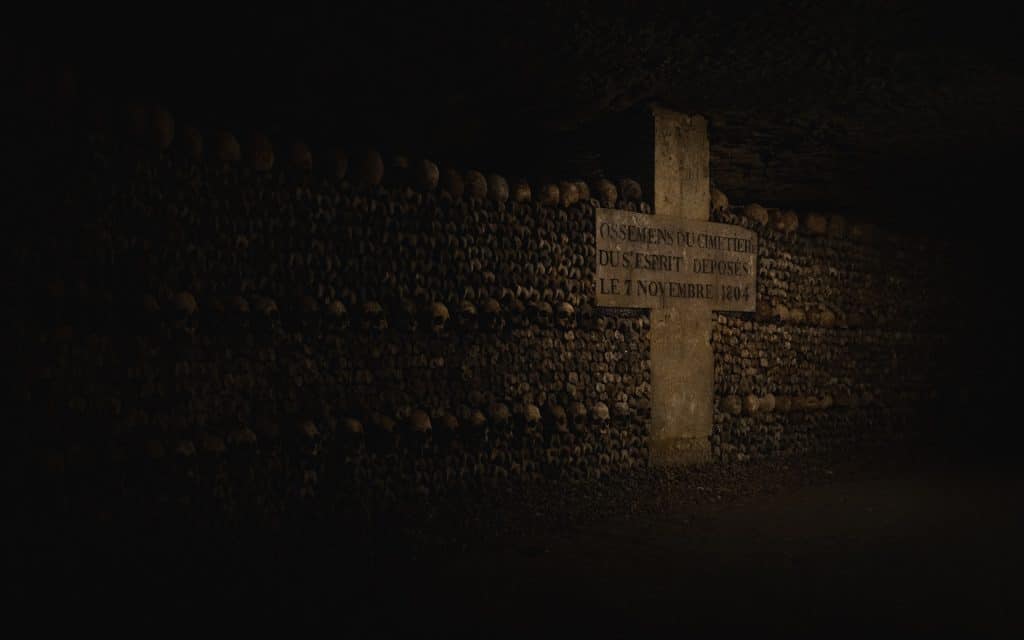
[231, 325]
[842, 349]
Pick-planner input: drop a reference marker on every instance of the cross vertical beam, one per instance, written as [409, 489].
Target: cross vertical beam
[682, 362]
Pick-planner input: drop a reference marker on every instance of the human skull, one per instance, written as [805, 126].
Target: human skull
[184, 303]
[259, 152]
[137, 122]
[187, 448]
[338, 313]
[845, 398]
[467, 315]
[497, 187]
[586, 315]
[381, 423]
[785, 221]
[521, 191]
[622, 410]
[600, 417]
[578, 416]
[300, 157]
[531, 417]
[211, 444]
[425, 175]
[406, 317]
[449, 423]
[242, 436]
[565, 315]
[419, 421]
[719, 201]
[837, 226]
[791, 220]
[780, 313]
[374, 318]
[308, 430]
[226, 148]
[476, 185]
[750, 404]
[352, 427]
[452, 182]
[268, 429]
[265, 306]
[569, 192]
[191, 141]
[492, 317]
[756, 212]
[558, 419]
[398, 170]
[629, 190]
[816, 224]
[863, 232]
[367, 168]
[308, 304]
[731, 404]
[477, 420]
[605, 191]
[541, 312]
[155, 449]
[643, 407]
[438, 318]
[548, 195]
[499, 415]
[827, 318]
[162, 128]
[149, 303]
[337, 164]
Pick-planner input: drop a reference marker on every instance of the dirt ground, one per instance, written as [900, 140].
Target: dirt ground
[907, 540]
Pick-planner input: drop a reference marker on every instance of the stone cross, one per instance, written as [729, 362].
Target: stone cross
[682, 267]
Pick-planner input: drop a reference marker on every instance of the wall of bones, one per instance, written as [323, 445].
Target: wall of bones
[846, 345]
[242, 328]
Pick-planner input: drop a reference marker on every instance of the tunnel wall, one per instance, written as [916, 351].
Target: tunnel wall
[205, 335]
[846, 345]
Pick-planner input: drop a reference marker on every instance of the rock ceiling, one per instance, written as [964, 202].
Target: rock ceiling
[856, 106]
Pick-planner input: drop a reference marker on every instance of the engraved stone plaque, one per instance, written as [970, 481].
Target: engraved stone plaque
[654, 262]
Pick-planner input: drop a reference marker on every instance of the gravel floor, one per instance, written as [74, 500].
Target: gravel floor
[897, 540]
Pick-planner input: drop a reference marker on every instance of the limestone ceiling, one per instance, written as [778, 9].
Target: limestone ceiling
[837, 104]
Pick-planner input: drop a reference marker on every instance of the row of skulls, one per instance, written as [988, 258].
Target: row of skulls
[850, 365]
[751, 404]
[833, 225]
[373, 316]
[382, 432]
[838, 277]
[574, 418]
[153, 126]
